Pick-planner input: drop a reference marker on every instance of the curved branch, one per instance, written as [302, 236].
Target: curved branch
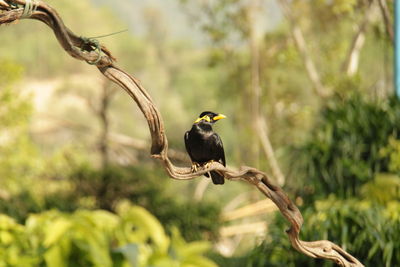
[82, 49]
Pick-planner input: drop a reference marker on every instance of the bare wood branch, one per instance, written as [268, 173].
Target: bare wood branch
[118, 139]
[143, 145]
[253, 209]
[259, 122]
[386, 18]
[200, 188]
[269, 152]
[254, 88]
[350, 64]
[248, 228]
[77, 48]
[301, 45]
[103, 116]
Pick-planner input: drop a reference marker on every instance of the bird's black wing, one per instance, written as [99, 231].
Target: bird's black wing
[187, 145]
[218, 154]
[218, 150]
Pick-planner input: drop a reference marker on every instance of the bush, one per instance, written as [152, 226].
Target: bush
[67, 183]
[369, 231]
[344, 151]
[132, 237]
[144, 186]
[352, 157]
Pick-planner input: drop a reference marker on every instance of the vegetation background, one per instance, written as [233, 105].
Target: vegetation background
[307, 88]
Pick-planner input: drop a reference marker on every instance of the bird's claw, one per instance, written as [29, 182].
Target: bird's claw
[208, 164]
[195, 166]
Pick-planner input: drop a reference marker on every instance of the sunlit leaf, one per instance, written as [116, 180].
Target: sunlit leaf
[55, 231]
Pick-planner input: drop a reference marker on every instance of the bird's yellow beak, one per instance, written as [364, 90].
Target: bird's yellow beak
[220, 116]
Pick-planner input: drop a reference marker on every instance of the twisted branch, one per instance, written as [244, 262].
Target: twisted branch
[89, 51]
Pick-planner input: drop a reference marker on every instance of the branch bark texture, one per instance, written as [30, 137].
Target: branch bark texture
[91, 52]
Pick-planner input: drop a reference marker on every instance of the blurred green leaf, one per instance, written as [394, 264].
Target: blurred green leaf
[55, 231]
[95, 238]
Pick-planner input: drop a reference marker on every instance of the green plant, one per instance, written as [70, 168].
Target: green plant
[96, 238]
[19, 162]
[144, 186]
[369, 230]
[392, 151]
[344, 151]
[383, 189]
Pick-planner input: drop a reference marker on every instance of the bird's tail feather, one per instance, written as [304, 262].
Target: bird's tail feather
[217, 178]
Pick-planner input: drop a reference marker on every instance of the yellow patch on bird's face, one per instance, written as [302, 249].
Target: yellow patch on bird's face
[205, 117]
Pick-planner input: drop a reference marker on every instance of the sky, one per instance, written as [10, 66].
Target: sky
[178, 22]
[130, 11]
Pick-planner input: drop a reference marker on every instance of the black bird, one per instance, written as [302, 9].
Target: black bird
[204, 145]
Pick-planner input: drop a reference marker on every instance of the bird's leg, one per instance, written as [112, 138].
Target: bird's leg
[207, 165]
[195, 165]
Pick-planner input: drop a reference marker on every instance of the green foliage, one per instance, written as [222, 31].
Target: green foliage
[393, 152]
[33, 182]
[144, 186]
[351, 146]
[14, 109]
[69, 187]
[96, 238]
[383, 189]
[344, 151]
[9, 72]
[367, 229]
[18, 155]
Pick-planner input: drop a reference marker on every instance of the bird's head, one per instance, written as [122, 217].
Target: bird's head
[210, 117]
